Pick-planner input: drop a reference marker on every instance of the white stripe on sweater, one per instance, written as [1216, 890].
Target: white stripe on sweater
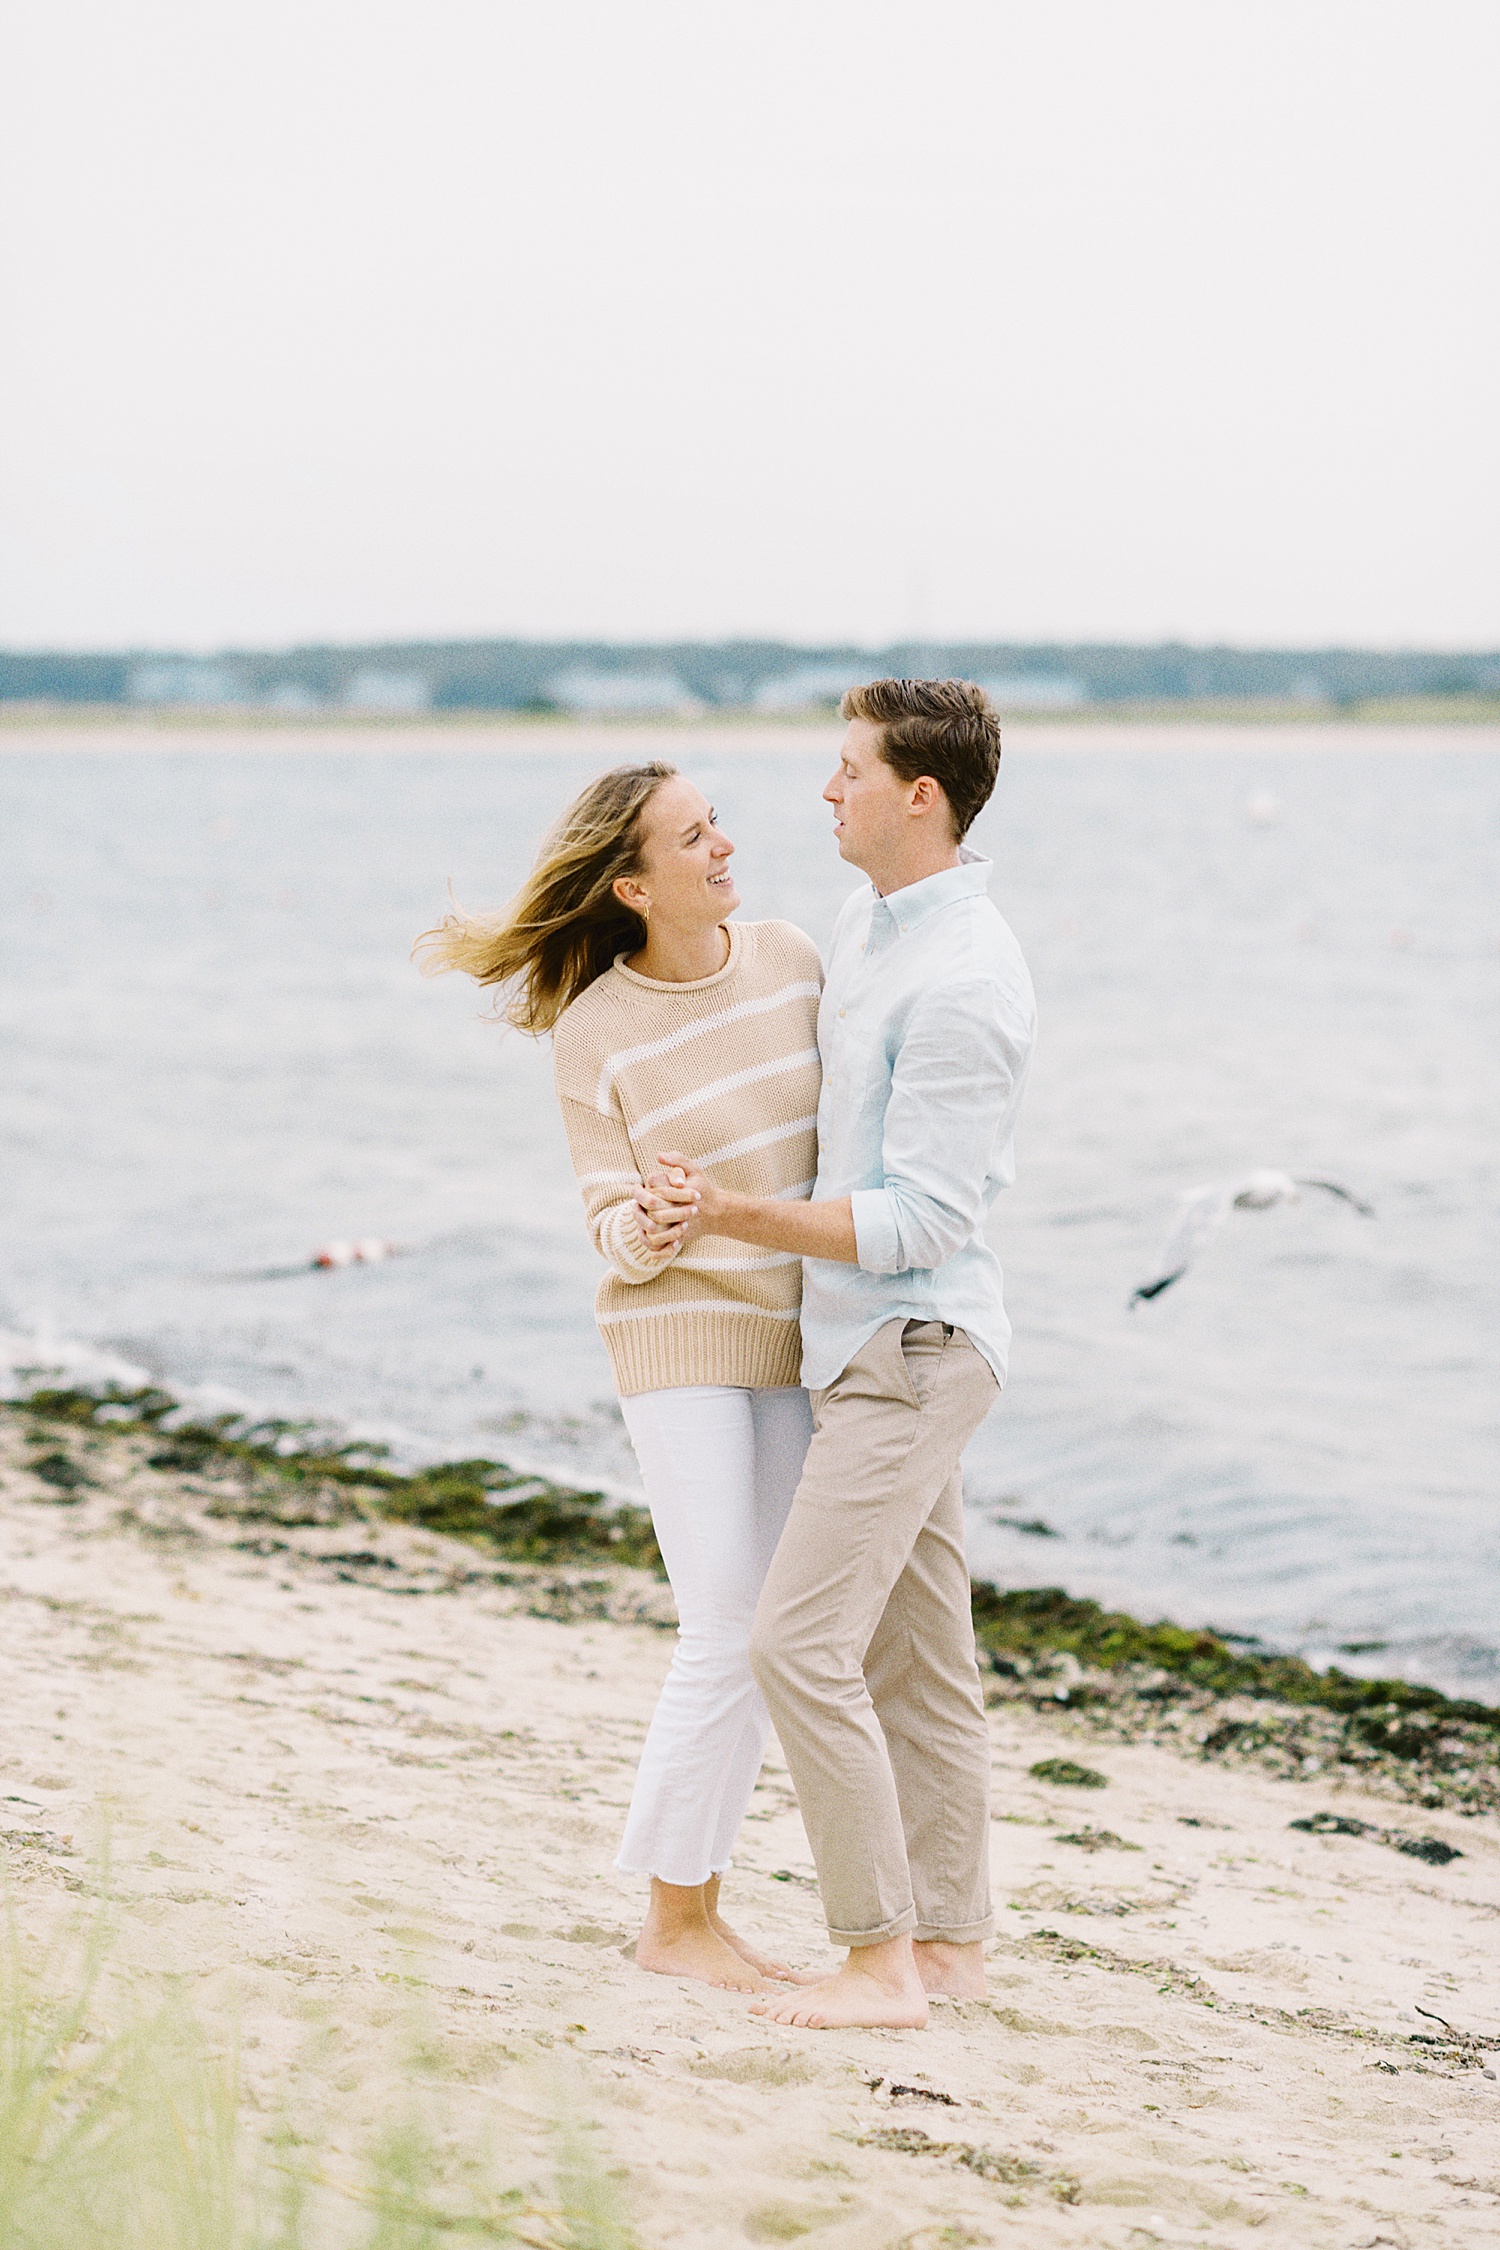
[751, 1263]
[614, 1064]
[730, 1085]
[767, 1139]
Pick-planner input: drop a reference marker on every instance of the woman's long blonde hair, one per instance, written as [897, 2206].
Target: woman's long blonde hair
[565, 925]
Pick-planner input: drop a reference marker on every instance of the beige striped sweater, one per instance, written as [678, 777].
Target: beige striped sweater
[725, 1069]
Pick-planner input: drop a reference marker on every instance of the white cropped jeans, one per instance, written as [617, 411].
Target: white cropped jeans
[720, 1466]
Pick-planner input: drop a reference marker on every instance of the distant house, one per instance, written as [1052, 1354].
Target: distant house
[371, 690]
[601, 695]
[1034, 691]
[184, 679]
[811, 687]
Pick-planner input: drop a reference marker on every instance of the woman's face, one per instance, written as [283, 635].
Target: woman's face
[684, 880]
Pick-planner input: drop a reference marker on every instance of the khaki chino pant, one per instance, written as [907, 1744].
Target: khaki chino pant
[863, 1643]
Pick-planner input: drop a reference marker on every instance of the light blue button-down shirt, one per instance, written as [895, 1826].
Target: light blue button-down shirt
[925, 1030]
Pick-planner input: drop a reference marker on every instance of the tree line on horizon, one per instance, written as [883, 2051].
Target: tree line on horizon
[612, 677]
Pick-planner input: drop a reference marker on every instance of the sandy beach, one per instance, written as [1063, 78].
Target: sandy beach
[352, 1767]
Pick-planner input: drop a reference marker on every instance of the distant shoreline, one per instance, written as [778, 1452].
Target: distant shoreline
[1450, 723]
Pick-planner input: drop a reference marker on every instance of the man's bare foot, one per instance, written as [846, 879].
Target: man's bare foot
[697, 1952]
[878, 1985]
[955, 1971]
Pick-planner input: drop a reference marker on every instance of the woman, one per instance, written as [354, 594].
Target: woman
[666, 1016]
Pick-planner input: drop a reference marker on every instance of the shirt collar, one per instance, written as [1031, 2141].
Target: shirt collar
[916, 901]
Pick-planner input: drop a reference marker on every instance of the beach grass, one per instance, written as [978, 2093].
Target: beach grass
[122, 2121]
[118, 2116]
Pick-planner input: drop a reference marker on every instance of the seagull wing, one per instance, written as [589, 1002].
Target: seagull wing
[1259, 1191]
[1345, 1195]
[1200, 1214]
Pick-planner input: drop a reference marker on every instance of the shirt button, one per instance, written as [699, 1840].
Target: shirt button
[842, 1013]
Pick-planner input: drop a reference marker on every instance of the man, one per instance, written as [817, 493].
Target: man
[863, 1641]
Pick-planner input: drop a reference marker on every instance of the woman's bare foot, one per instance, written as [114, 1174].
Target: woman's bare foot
[763, 1963]
[680, 1940]
[699, 1953]
[878, 1985]
[955, 1971]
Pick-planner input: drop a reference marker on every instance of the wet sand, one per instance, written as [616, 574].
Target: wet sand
[353, 1764]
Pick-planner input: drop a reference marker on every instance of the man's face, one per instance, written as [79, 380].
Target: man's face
[871, 804]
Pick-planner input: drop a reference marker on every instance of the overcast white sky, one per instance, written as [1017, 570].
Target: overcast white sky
[825, 319]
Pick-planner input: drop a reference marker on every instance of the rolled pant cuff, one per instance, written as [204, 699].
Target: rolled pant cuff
[902, 1926]
[678, 1881]
[954, 1933]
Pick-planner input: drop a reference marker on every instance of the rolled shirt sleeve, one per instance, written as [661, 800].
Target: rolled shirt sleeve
[876, 1241]
[952, 1089]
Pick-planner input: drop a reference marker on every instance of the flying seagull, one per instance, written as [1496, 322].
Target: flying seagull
[1202, 1211]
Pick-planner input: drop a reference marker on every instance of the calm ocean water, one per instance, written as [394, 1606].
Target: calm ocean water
[215, 1054]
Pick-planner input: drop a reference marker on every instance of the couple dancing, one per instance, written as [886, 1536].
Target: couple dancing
[758, 1145]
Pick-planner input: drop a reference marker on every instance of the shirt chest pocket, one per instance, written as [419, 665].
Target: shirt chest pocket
[857, 1067]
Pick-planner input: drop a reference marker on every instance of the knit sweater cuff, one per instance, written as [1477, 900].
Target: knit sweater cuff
[623, 1244]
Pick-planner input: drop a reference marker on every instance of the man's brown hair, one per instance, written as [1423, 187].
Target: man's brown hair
[946, 729]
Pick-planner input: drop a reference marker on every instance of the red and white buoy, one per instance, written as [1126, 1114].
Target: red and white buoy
[368, 1250]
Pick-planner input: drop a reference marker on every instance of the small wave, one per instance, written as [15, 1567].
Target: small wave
[556, 1448]
[1461, 1664]
[27, 1361]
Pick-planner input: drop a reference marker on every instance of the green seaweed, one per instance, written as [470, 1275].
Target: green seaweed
[1097, 1840]
[546, 1523]
[1432, 1849]
[1401, 1717]
[1068, 1775]
[988, 2163]
[65, 1476]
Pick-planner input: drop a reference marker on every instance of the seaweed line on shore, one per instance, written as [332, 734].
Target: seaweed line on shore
[1191, 1689]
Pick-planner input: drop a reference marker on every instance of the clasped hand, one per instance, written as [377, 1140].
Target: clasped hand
[675, 1202]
